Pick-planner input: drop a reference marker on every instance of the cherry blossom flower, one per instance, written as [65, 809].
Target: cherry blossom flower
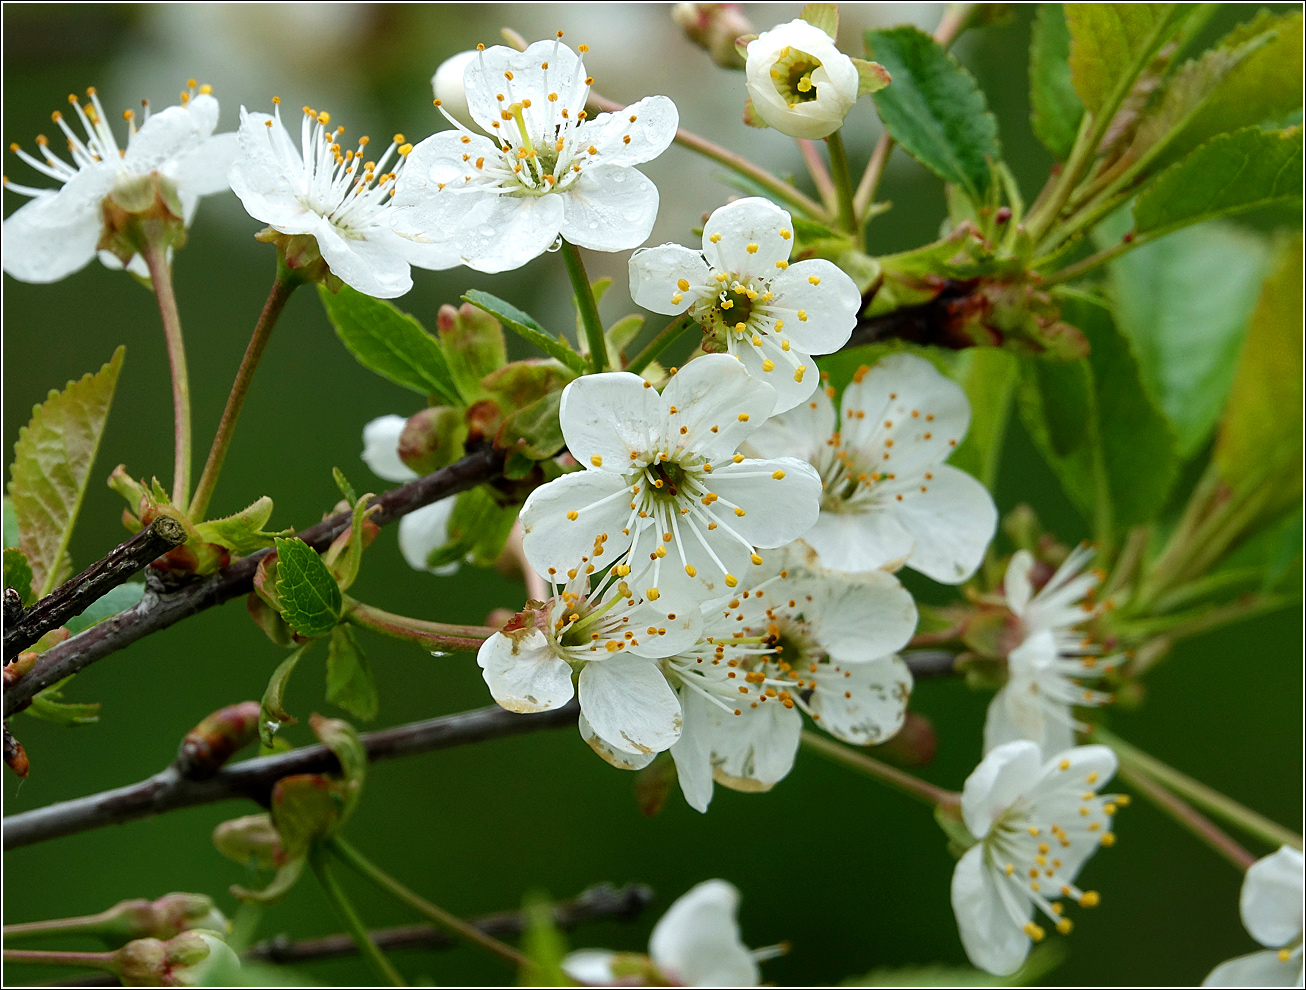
[889, 497]
[422, 530]
[801, 640]
[611, 638]
[447, 84]
[545, 169]
[1046, 668]
[799, 82]
[695, 944]
[742, 290]
[59, 231]
[342, 199]
[1036, 823]
[1271, 908]
[662, 481]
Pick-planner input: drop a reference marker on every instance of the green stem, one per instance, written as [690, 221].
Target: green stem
[366, 947]
[1191, 819]
[84, 960]
[870, 180]
[1094, 261]
[665, 338]
[285, 283]
[431, 635]
[905, 782]
[589, 309]
[1217, 804]
[843, 186]
[156, 259]
[352, 858]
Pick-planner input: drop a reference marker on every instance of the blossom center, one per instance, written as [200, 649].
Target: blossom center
[792, 75]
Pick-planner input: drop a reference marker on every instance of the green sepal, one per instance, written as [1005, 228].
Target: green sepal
[948, 817]
[286, 878]
[871, 76]
[751, 117]
[534, 430]
[342, 739]
[824, 16]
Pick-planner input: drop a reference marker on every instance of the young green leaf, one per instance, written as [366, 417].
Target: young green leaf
[18, 574]
[482, 525]
[306, 807]
[346, 489]
[1055, 107]
[109, 604]
[52, 463]
[309, 597]
[389, 342]
[543, 944]
[276, 890]
[272, 708]
[989, 377]
[10, 523]
[47, 705]
[243, 531]
[473, 345]
[342, 739]
[1110, 43]
[349, 679]
[525, 326]
[534, 429]
[935, 109]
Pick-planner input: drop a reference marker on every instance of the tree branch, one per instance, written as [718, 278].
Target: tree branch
[76, 594]
[160, 609]
[168, 790]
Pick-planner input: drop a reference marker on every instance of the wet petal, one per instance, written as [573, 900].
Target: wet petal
[554, 541]
[381, 449]
[697, 943]
[656, 274]
[629, 703]
[650, 132]
[609, 208]
[780, 497]
[523, 674]
[819, 304]
[610, 416]
[989, 934]
[716, 391]
[747, 237]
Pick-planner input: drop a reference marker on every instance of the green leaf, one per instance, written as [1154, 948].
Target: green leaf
[624, 330]
[344, 557]
[473, 345]
[109, 604]
[989, 377]
[272, 708]
[935, 109]
[46, 705]
[535, 429]
[306, 807]
[1065, 394]
[389, 342]
[1040, 962]
[52, 462]
[1110, 43]
[482, 525]
[1056, 108]
[10, 524]
[342, 739]
[543, 944]
[346, 489]
[308, 594]
[1259, 442]
[1230, 174]
[18, 574]
[527, 328]
[1184, 302]
[243, 531]
[824, 16]
[350, 683]
[280, 886]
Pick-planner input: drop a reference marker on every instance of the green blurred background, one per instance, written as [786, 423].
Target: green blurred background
[853, 875]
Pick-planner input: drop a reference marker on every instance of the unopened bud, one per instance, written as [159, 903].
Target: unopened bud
[653, 784]
[914, 745]
[15, 755]
[211, 743]
[250, 839]
[191, 959]
[300, 258]
[1022, 527]
[433, 438]
[447, 84]
[714, 27]
[474, 346]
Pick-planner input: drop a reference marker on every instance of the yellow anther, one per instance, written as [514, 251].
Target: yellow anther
[1065, 925]
[398, 139]
[676, 299]
[782, 265]
[799, 371]
[206, 89]
[1284, 955]
[691, 570]
[768, 365]
[1123, 800]
[573, 515]
[1034, 931]
[1092, 777]
[1089, 899]
[814, 279]
[802, 316]
[751, 248]
[324, 117]
[731, 581]
[652, 594]
[739, 512]
[756, 559]
[743, 417]
[1063, 765]
[1109, 809]
[596, 460]
[683, 285]
[777, 474]
[738, 458]
[1108, 838]
[716, 239]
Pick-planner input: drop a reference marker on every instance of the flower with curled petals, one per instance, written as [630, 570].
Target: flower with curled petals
[742, 290]
[663, 481]
[1036, 822]
[545, 169]
[1271, 908]
[889, 497]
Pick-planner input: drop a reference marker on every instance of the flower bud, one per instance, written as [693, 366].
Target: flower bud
[474, 346]
[433, 438]
[191, 959]
[714, 27]
[251, 838]
[15, 755]
[211, 743]
[448, 86]
[799, 82]
[914, 745]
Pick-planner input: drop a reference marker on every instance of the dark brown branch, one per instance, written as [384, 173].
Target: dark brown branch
[930, 663]
[168, 790]
[935, 322]
[160, 609]
[76, 594]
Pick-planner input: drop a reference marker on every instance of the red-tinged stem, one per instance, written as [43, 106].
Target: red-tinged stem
[156, 259]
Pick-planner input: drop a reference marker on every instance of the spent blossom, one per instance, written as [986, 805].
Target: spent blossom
[1271, 908]
[749, 299]
[60, 230]
[545, 169]
[799, 82]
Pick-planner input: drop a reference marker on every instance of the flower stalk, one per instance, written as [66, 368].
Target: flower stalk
[362, 938]
[155, 253]
[589, 309]
[843, 186]
[430, 635]
[85, 960]
[664, 339]
[847, 756]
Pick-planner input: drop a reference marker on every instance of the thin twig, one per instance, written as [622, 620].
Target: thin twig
[76, 594]
[922, 790]
[158, 610]
[253, 779]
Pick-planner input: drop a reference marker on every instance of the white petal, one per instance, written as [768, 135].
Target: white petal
[505, 232]
[381, 448]
[168, 135]
[1020, 710]
[715, 391]
[447, 84]
[951, 522]
[424, 530]
[1016, 583]
[866, 707]
[265, 175]
[611, 754]
[629, 703]
[859, 541]
[755, 750]
[754, 223]
[650, 133]
[801, 431]
[777, 510]
[203, 170]
[1257, 969]
[524, 675]
[44, 240]
[553, 542]
[609, 208]
[1271, 900]
[819, 304]
[590, 967]
[859, 617]
[674, 635]
[697, 944]
[610, 416]
[791, 387]
[692, 752]
[656, 273]
[483, 81]
[1002, 776]
[992, 940]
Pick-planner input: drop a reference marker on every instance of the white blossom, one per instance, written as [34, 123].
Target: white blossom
[742, 290]
[801, 640]
[889, 497]
[1036, 823]
[447, 84]
[422, 530]
[662, 481]
[1052, 658]
[545, 169]
[340, 197]
[59, 230]
[799, 82]
[1271, 908]
[695, 944]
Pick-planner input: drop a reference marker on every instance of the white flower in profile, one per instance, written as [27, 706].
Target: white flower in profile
[1045, 669]
[662, 480]
[59, 231]
[799, 82]
[545, 169]
[342, 199]
[890, 500]
[1271, 908]
[1036, 823]
[742, 290]
[447, 84]
[612, 638]
[422, 530]
[695, 944]
[801, 640]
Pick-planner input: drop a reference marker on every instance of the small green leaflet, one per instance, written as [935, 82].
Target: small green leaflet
[273, 714]
[350, 683]
[47, 705]
[109, 604]
[525, 326]
[18, 574]
[1055, 107]
[309, 597]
